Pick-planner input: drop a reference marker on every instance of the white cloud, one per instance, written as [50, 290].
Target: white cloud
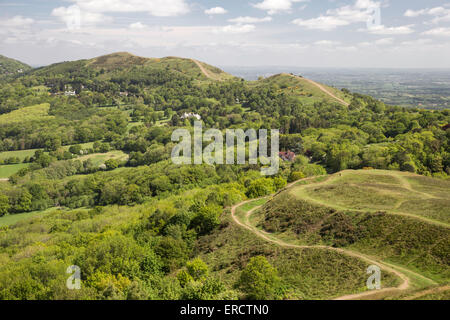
[360, 11]
[327, 43]
[325, 23]
[237, 28]
[439, 13]
[216, 10]
[417, 42]
[383, 30]
[243, 20]
[16, 29]
[332, 46]
[159, 8]
[137, 26]
[412, 14]
[438, 32]
[347, 48]
[276, 6]
[75, 18]
[384, 41]
[241, 25]
[16, 22]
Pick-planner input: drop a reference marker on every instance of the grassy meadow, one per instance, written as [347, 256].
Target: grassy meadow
[8, 170]
[36, 112]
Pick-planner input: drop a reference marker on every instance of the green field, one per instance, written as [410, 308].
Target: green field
[36, 112]
[8, 170]
[88, 145]
[21, 154]
[100, 158]
[12, 219]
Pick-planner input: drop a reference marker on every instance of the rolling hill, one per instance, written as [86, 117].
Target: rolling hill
[307, 90]
[86, 179]
[363, 212]
[119, 62]
[10, 66]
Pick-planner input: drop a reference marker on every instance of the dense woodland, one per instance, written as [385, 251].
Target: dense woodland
[132, 224]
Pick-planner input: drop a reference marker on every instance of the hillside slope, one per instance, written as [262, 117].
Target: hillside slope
[112, 64]
[362, 211]
[305, 89]
[10, 66]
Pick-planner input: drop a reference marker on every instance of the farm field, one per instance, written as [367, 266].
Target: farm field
[12, 219]
[100, 158]
[21, 154]
[10, 169]
[36, 112]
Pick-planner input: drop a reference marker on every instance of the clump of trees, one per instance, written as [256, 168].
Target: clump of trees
[259, 280]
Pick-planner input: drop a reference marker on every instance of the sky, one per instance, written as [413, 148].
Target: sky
[303, 33]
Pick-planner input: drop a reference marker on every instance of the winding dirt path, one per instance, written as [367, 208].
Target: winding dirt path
[318, 85]
[270, 238]
[406, 185]
[203, 70]
[428, 291]
[325, 90]
[394, 211]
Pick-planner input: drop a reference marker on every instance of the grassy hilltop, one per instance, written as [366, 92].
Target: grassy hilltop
[118, 63]
[10, 66]
[363, 212]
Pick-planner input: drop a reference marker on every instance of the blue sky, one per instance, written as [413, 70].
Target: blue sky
[306, 33]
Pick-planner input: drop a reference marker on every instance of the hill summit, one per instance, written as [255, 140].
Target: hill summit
[10, 66]
[125, 61]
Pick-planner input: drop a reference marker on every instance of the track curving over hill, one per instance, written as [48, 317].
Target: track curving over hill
[406, 282]
[203, 70]
[323, 89]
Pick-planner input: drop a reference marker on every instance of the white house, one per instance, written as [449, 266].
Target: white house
[191, 115]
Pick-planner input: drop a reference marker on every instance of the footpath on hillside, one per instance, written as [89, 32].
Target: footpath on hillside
[406, 282]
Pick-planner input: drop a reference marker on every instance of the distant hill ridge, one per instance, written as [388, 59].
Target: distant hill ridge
[11, 66]
[123, 61]
[108, 66]
[300, 86]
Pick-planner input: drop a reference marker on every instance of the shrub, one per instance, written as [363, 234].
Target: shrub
[259, 279]
[111, 164]
[311, 170]
[260, 187]
[4, 205]
[296, 175]
[279, 183]
[206, 219]
[197, 269]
